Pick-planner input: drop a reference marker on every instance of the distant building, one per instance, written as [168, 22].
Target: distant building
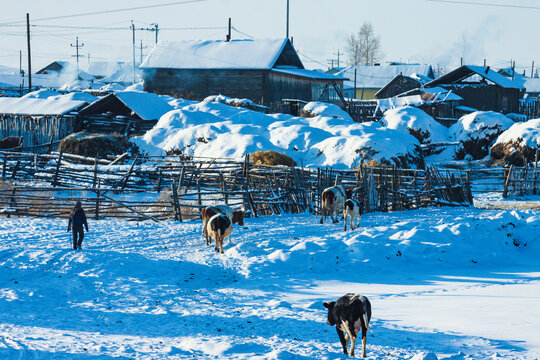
[482, 88]
[264, 71]
[371, 79]
[64, 68]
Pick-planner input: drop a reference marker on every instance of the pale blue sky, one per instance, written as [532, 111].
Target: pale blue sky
[414, 31]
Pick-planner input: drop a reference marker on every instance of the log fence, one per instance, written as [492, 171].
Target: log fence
[174, 187]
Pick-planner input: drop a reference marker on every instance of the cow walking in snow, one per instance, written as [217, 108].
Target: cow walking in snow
[351, 212]
[219, 227]
[350, 314]
[332, 202]
[236, 217]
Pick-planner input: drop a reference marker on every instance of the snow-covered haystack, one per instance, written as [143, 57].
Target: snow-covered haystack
[86, 144]
[243, 103]
[416, 122]
[314, 108]
[519, 143]
[370, 141]
[213, 129]
[476, 132]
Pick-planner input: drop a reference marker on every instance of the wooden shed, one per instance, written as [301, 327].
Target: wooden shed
[264, 71]
[482, 88]
[38, 121]
[398, 85]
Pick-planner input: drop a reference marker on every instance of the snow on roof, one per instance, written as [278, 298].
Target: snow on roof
[376, 77]
[34, 106]
[122, 75]
[466, 71]
[147, 106]
[397, 102]
[311, 74]
[41, 94]
[216, 54]
[8, 70]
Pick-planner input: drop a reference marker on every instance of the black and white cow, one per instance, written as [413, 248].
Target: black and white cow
[332, 200]
[351, 212]
[351, 314]
[219, 227]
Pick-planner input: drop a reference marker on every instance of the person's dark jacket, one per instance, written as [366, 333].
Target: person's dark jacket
[77, 218]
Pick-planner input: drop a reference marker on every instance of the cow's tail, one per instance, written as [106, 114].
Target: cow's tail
[366, 321]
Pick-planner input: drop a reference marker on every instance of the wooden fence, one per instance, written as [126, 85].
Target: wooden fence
[174, 187]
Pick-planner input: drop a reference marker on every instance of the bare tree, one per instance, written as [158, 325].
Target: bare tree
[365, 47]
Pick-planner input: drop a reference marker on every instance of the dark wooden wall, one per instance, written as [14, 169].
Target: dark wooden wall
[486, 97]
[37, 130]
[197, 84]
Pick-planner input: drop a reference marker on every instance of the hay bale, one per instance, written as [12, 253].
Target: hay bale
[519, 144]
[272, 158]
[89, 144]
[476, 132]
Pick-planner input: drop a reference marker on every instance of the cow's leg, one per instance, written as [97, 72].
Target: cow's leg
[352, 335]
[336, 219]
[221, 244]
[353, 342]
[342, 340]
[364, 333]
[322, 214]
[353, 223]
[345, 222]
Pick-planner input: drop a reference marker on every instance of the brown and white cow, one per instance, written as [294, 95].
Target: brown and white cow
[350, 314]
[236, 217]
[352, 210]
[219, 227]
[332, 202]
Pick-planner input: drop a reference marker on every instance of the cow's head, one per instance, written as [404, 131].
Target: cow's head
[238, 217]
[330, 306]
[349, 193]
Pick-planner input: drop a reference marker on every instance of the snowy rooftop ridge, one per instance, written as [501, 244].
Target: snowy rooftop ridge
[215, 54]
[35, 106]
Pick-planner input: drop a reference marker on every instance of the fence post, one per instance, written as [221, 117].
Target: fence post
[535, 174]
[223, 188]
[507, 175]
[95, 170]
[4, 168]
[199, 192]
[97, 200]
[55, 177]
[175, 200]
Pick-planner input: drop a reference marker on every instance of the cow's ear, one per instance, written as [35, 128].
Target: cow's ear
[329, 305]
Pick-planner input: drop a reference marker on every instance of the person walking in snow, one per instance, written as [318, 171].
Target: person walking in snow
[77, 218]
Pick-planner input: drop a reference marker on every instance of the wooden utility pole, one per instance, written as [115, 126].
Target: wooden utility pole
[287, 33]
[228, 37]
[532, 69]
[29, 53]
[77, 46]
[133, 46]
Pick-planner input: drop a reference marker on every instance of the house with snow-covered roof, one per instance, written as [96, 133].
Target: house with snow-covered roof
[482, 88]
[39, 121]
[370, 79]
[262, 70]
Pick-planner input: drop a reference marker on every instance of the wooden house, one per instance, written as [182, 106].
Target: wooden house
[371, 79]
[482, 88]
[38, 121]
[124, 112]
[398, 85]
[263, 70]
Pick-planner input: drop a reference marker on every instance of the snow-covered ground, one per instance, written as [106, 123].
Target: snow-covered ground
[460, 283]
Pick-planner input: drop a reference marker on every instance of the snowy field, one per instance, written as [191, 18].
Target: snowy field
[457, 283]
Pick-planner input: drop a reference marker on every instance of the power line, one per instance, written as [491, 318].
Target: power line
[486, 4]
[112, 11]
[238, 31]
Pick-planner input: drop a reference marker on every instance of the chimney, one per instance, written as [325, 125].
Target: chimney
[487, 69]
[228, 38]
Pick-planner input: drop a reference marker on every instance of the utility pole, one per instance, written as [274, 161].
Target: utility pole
[142, 47]
[77, 46]
[228, 37]
[20, 62]
[29, 53]
[156, 30]
[331, 61]
[287, 19]
[133, 31]
[354, 96]
[532, 69]
[338, 54]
